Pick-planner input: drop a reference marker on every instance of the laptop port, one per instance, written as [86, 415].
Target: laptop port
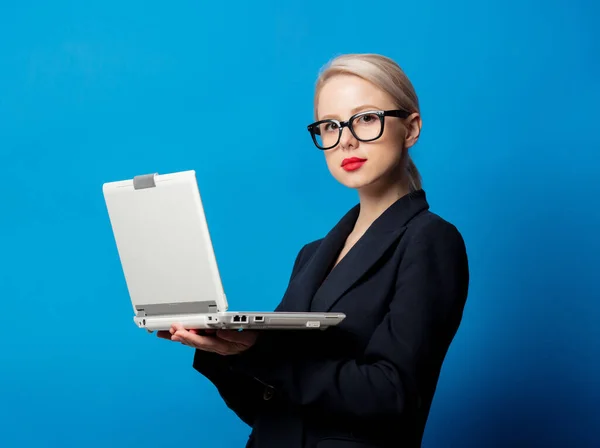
[236, 318]
[244, 318]
[259, 318]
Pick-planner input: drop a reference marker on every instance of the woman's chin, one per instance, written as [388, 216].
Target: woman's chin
[366, 182]
[354, 180]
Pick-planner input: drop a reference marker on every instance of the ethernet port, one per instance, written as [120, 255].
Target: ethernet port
[236, 318]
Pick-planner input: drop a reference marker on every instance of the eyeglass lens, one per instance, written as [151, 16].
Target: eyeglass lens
[365, 127]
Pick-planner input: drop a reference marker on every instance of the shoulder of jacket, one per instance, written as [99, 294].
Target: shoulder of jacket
[429, 225]
[311, 246]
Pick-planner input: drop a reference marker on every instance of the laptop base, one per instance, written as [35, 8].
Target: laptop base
[243, 320]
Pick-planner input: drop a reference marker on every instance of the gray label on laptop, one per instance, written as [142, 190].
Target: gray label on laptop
[144, 181]
[162, 309]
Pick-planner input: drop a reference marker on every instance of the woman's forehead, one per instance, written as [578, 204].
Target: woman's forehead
[343, 95]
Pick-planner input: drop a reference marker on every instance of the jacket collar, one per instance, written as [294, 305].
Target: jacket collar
[319, 286]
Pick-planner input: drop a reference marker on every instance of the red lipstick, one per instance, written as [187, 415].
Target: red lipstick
[353, 163]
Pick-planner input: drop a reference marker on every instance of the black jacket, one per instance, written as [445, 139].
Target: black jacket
[370, 381]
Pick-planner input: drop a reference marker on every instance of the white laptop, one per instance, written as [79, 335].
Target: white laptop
[169, 264]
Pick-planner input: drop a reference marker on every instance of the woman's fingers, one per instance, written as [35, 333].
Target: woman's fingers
[207, 343]
[210, 340]
[231, 336]
[241, 337]
[175, 327]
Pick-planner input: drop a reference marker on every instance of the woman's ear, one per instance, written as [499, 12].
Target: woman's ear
[413, 124]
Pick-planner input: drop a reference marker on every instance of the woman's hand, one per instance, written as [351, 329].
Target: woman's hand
[223, 342]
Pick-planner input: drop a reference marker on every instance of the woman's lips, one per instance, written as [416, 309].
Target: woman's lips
[353, 163]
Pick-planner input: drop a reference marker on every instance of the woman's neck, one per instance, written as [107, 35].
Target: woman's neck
[374, 201]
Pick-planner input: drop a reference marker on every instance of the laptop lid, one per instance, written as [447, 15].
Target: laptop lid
[164, 246]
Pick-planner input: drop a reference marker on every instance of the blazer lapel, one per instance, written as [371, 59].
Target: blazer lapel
[306, 283]
[379, 238]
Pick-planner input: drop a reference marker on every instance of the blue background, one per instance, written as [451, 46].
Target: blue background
[98, 91]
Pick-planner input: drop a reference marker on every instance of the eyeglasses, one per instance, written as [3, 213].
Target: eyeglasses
[365, 127]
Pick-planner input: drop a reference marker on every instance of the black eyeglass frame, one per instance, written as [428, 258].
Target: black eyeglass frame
[313, 127]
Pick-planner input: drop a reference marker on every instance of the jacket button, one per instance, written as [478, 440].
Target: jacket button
[268, 393]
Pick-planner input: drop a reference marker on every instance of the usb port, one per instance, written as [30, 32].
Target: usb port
[259, 318]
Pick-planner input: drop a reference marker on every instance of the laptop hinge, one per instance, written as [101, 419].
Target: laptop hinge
[165, 309]
[144, 181]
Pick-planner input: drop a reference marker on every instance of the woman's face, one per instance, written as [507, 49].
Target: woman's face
[377, 161]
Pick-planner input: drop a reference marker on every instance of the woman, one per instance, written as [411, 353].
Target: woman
[398, 271]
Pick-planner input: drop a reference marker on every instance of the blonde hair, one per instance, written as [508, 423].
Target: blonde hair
[387, 75]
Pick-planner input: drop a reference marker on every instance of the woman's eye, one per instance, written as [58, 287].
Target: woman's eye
[331, 127]
[368, 118]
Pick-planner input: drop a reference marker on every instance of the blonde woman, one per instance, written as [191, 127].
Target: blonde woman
[396, 269]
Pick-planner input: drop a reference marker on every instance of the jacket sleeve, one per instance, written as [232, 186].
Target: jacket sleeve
[412, 339]
[241, 392]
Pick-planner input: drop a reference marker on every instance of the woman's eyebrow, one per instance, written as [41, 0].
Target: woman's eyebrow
[352, 112]
[366, 106]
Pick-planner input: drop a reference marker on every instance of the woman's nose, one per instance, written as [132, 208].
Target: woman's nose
[347, 140]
